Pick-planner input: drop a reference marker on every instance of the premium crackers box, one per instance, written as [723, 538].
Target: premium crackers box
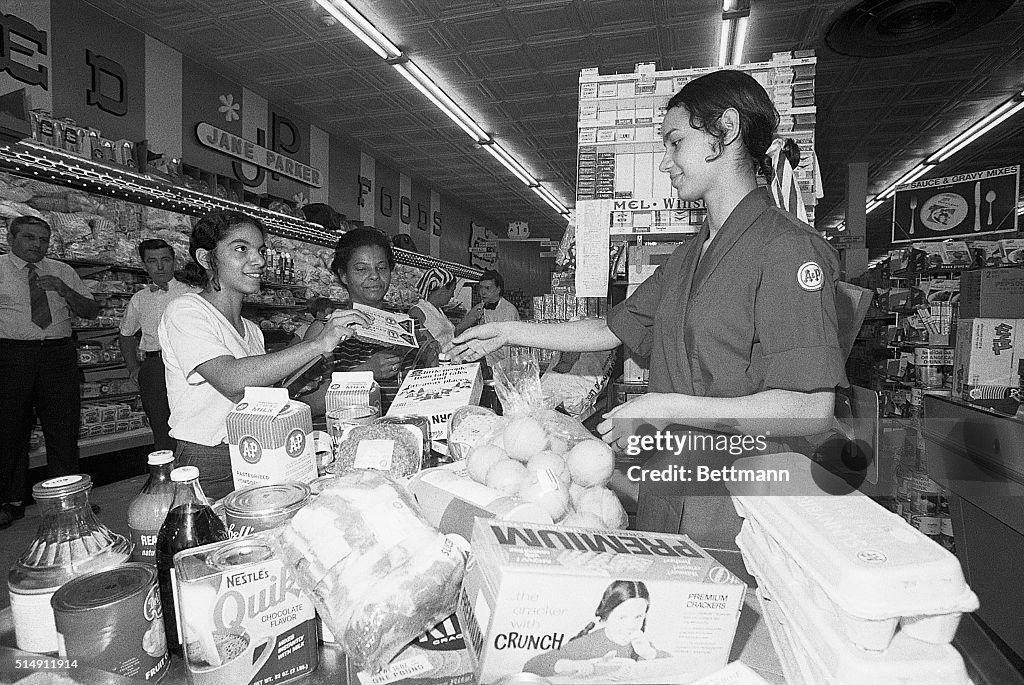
[595, 605]
[270, 439]
[436, 393]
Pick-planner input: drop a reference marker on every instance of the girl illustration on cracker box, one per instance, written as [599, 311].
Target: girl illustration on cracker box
[615, 638]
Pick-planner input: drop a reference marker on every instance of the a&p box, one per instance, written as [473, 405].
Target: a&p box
[594, 605]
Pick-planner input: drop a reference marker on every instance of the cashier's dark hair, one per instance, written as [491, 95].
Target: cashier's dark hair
[206, 234]
[706, 98]
[352, 241]
[614, 595]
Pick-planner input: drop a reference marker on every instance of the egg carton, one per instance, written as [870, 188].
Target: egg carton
[847, 553]
[829, 657]
[794, 666]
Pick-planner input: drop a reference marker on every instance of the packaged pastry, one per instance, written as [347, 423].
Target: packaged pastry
[378, 574]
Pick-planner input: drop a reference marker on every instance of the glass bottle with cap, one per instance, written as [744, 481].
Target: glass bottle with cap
[147, 511]
[70, 542]
[190, 522]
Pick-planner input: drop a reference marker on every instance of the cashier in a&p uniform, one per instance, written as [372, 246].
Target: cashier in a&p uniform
[740, 324]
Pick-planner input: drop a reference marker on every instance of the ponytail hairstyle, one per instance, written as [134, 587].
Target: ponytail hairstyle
[706, 98]
[206, 234]
[614, 595]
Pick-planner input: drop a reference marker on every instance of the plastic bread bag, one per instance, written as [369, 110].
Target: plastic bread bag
[378, 574]
[538, 455]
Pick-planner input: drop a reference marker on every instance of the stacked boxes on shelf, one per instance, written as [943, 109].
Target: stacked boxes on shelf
[850, 592]
[620, 147]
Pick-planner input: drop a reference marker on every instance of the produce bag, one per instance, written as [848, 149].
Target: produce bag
[537, 454]
[378, 574]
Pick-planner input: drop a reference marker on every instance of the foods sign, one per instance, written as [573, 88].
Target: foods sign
[229, 144]
[966, 205]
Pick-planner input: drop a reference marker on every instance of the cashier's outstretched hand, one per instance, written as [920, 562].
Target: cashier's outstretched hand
[478, 342]
[339, 327]
[622, 421]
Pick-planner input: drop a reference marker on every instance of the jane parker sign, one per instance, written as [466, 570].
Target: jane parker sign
[963, 206]
[247, 151]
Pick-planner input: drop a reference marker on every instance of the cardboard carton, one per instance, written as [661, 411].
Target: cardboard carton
[351, 388]
[436, 393]
[987, 354]
[539, 598]
[992, 293]
[269, 438]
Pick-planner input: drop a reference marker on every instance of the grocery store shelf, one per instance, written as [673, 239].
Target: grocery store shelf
[30, 159]
[112, 398]
[101, 444]
[101, 367]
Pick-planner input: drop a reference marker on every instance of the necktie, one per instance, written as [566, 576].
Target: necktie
[37, 297]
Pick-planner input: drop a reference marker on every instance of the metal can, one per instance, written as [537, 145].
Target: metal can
[261, 507]
[112, 620]
[244, 618]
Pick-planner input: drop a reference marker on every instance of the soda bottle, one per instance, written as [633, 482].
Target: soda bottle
[147, 511]
[190, 522]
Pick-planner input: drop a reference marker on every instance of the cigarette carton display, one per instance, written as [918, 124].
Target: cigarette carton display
[269, 438]
[850, 556]
[595, 605]
[436, 393]
[987, 354]
[450, 500]
[244, 618]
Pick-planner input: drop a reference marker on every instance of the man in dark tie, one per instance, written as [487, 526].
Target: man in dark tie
[38, 364]
[142, 357]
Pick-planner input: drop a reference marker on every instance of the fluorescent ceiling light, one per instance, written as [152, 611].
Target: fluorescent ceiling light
[724, 41]
[418, 78]
[739, 40]
[452, 111]
[873, 205]
[980, 128]
[350, 18]
[550, 199]
[912, 175]
[510, 163]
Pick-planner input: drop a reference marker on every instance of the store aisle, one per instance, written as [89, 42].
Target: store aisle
[113, 500]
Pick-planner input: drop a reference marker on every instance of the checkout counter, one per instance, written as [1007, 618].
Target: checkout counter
[978, 455]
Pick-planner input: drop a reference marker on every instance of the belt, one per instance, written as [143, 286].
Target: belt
[155, 353]
[45, 342]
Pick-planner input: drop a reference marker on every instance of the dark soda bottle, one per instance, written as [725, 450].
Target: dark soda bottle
[190, 522]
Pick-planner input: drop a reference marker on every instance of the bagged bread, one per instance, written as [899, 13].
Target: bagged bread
[378, 573]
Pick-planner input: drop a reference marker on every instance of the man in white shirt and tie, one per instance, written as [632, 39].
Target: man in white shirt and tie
[142, 357]
[38, 362]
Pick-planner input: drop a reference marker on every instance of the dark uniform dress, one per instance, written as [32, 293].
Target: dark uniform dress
[758, 312]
